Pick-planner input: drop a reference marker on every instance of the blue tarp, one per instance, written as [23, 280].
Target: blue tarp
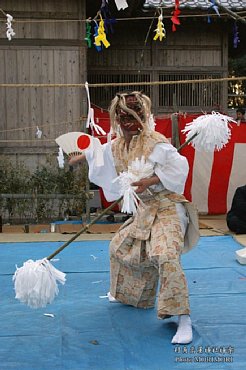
[88, 332]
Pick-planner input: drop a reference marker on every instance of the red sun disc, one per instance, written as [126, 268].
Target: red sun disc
[83, 142]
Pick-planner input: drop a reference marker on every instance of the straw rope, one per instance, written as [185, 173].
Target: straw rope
[115, 84]
[211, 15]
[34, 126]
[96, 85]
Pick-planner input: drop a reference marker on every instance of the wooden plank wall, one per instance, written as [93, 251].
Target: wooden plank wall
[195, 49]
[48, 47]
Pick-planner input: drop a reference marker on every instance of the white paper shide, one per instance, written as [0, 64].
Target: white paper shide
[35, 283]
[137, 170]
[211, 131]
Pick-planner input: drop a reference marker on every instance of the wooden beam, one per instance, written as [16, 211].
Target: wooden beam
[230, 12]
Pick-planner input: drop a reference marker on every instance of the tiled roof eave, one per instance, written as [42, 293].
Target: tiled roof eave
[204, 5]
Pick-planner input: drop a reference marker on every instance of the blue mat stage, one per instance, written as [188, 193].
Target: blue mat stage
[88, 332]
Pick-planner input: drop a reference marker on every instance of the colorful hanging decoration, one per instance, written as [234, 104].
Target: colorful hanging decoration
[101, 38]
[236, 38]
[213, 7]
[175, 16]
[160, 30]
[109, 21]
[88, 34]
[10, 32]
[95, 35]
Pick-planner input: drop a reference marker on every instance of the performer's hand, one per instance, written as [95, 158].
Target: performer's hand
[143, 184]
[75, 159]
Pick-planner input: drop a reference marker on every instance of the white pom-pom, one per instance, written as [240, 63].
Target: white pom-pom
[137, 170]
[209, 132]
[36, 283]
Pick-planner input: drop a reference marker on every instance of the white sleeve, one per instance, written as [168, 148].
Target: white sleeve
[104, 175]
[171, 167]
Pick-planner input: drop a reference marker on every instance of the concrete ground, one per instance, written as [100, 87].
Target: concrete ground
[209, 226]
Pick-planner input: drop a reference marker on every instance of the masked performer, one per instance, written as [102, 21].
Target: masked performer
[147, 248]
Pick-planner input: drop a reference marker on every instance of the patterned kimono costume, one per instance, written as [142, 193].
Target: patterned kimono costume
[147, 248]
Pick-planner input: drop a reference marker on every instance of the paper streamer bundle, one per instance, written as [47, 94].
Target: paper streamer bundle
[209, 132]
[36, 283]
[139, 169]
[90, 122]
[60, 158]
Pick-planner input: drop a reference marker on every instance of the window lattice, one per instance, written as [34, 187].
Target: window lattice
[200, 95]
[102, 96]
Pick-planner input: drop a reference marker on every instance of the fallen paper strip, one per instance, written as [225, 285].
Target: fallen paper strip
[109, 297]
[96, 282]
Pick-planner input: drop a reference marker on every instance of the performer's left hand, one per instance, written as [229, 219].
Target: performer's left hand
[143, 184]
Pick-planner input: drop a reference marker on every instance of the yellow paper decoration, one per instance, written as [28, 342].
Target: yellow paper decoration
[101, 37]
[160, 30]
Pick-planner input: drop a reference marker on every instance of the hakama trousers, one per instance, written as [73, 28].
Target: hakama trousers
[146, 251]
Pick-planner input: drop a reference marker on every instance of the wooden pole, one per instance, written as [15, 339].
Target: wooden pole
[84, 229]
[175, 124]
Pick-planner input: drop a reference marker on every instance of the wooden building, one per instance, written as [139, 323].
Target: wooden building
[197, 50]
[50, 47]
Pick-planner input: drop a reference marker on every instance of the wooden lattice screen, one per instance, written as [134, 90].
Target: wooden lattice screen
[102, 96]
[191, 97]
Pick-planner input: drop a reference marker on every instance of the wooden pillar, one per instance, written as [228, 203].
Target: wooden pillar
[175, 124]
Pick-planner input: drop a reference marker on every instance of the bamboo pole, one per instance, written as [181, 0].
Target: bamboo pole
[84, 229]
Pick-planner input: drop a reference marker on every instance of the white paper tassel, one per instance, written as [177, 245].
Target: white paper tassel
[137, 170]
[60, 158]
[38, 133]
[36, 283]
[140, 168]
[90, 117]
[10, 32]
[130, 198]
[91, 123]
[213, 131]
[152, 123]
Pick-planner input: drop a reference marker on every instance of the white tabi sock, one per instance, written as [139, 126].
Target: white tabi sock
[184, 332]
[111, 298]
